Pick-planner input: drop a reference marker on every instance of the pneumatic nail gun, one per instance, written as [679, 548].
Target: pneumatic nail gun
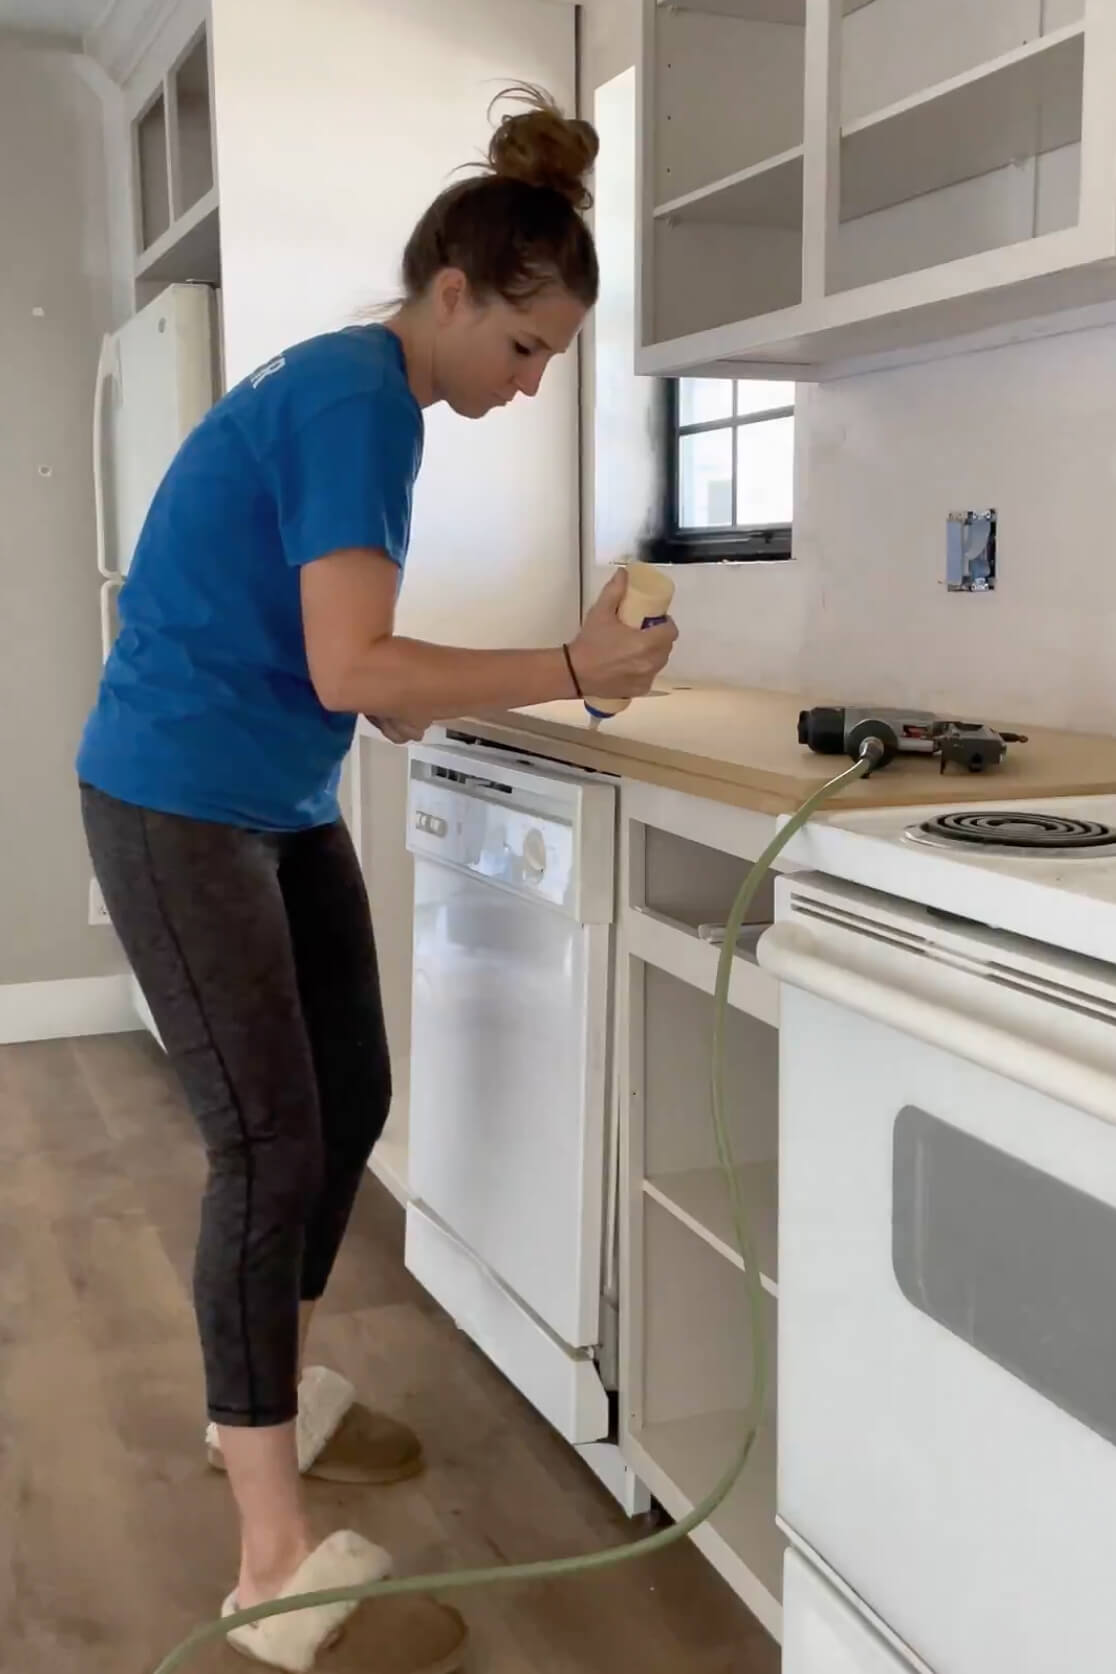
[967, 744]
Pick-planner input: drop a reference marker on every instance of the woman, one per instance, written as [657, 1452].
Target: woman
[256, 624]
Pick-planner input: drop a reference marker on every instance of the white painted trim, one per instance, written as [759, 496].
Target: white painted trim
[124, 32]
[62, 1010]
[610, 1467]
[38, 40]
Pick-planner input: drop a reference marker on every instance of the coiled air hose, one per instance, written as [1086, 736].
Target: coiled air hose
[558, 1569]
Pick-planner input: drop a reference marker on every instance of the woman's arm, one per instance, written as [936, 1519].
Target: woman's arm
[359, 665]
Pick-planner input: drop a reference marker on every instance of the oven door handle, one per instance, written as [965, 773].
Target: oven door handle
[1069, 1056]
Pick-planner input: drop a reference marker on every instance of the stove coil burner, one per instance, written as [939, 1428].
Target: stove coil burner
[1051, 833]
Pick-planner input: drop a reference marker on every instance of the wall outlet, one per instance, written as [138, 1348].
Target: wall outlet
[98, 912]
[971, 552]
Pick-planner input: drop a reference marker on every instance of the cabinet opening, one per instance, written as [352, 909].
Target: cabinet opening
[195, 142]
[728, 163]
[986, 155]
[730, 96]
[692, 885]
[714, 274]
[893, 50]
[152, 177]
[758, 11]
[680, 1163]
[697, 1371]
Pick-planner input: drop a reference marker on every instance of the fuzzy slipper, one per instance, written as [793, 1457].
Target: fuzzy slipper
[340, 1440]
[292, 1642]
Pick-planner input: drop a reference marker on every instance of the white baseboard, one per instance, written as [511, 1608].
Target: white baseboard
[63, 1010]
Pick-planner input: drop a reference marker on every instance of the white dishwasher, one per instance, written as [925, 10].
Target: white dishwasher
[510, 1132]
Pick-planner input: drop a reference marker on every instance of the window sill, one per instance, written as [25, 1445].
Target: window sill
[773, 546]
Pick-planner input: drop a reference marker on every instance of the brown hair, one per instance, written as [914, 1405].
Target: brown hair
[517, 227]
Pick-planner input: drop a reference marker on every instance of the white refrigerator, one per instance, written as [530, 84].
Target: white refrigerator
[156, 378]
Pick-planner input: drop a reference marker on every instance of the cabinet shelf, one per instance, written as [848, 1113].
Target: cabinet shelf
[680, 1461]
[190, 250]
[1023, 104]
[769, 194]
[759, 11]
[677, 948]
[699, 1199]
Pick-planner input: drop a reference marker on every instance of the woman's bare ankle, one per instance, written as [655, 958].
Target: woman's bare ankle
[267, 1565]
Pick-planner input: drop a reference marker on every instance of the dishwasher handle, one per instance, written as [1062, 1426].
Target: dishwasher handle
[1069, 1056]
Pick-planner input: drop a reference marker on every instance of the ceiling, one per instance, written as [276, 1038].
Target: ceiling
[54, 17]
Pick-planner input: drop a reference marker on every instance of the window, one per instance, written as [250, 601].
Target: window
[729, 476]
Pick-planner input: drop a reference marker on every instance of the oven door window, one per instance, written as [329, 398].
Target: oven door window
[1011, 1260]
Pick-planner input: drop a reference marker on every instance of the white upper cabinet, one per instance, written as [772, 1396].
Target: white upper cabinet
[174, 173]
[832, 183]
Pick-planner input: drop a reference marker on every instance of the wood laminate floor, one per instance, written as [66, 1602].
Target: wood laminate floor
[115, 1539]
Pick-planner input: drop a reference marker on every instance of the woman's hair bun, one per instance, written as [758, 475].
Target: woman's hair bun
[541, 147]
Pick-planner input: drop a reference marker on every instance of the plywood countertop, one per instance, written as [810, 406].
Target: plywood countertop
[740, 746]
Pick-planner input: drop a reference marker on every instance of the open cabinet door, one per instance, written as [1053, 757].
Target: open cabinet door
[337, 124]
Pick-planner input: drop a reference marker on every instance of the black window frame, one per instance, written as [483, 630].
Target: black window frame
[675, 545]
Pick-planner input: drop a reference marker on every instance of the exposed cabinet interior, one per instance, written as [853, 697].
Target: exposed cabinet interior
[686, 1354]
[680, 1164]
[709, 112]
[175, 188]
[680, 894]
[892, 50]
[152, 172]
[728, 166]
[697, 1374]
[195, 126]
[691, 884]
[801, 161]
[758, 11]
[987, 156]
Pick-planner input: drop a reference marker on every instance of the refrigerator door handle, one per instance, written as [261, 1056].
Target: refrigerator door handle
[108, 626]
[107, 373]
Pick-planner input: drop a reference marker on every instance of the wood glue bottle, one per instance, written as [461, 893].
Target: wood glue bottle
[646, 604]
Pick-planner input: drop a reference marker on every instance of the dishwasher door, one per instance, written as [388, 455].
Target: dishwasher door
[513, 902]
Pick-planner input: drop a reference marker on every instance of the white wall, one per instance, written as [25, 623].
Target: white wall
[1030, 430]
[862, 611]
[56, 258]
[337, 123]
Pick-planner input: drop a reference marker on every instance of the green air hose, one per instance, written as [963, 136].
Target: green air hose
[557, 1569]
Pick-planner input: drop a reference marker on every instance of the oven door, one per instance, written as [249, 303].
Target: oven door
[947, 1279]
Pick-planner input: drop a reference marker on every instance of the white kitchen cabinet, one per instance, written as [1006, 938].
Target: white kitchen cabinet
[176, 207]
[685, 1355]
[832, 183]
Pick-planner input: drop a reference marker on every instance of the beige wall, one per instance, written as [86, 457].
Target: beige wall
[54, 257]
[882, 459]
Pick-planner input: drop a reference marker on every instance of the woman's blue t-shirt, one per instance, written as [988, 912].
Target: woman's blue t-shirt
[206, 707]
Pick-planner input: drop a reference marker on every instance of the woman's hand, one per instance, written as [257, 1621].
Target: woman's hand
[398, 732]
[613, 660]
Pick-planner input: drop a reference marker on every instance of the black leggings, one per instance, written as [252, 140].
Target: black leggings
[255, 953]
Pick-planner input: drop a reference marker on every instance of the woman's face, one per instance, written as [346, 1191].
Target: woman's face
[486, 354]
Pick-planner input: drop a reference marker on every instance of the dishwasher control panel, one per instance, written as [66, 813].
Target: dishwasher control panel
[541, 834]
[512, 846]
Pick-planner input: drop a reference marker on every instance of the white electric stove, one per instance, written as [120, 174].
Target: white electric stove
[1042, 869]
[947, 1263]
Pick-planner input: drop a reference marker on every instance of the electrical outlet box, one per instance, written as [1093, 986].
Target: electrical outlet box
[98, 912]
[971, 552]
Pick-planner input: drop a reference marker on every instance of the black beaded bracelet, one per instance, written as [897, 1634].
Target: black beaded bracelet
[573, 671]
